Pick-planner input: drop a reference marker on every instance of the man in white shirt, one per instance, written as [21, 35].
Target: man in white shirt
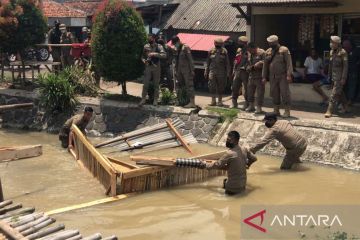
[313, 68]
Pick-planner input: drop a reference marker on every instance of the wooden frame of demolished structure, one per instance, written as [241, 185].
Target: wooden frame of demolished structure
[120, 177]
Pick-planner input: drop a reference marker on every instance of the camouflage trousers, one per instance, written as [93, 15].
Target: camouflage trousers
[337, 93]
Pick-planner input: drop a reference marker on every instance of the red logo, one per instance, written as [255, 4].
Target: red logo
[259, 214]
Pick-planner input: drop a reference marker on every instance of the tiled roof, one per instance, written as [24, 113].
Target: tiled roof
[89, 7]
[55, 9]
[207, 15]
[199, 42]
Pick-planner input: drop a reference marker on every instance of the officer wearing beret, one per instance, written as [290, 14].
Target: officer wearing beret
[278, 70]
[338, 70]
[282, 130]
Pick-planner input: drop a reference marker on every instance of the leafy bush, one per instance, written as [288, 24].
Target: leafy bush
[118, 39]
[167, 96]
[82, 81]
[182, 96]
[57, 94]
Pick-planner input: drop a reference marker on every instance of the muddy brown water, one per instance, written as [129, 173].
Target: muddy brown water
[195, 211]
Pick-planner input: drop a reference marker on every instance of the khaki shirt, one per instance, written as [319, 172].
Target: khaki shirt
[78, 120]
[285, 133]
[155, 48]
[244, 55]
[184, 61]
[258, 57]
[338, 68]
[278, 65]
[234, 161]
[218, 61]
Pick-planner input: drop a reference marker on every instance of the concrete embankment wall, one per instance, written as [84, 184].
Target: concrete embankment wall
[329, 142]
[110, 116]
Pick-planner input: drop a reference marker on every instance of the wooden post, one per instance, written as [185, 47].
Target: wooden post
[178, 136]
[1, 192]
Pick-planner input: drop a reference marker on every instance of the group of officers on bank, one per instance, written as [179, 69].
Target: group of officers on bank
[252, 68]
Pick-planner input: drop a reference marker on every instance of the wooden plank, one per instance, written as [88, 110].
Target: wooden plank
[211, 156]
[11, 232]
[14, 153]
[16, 106]
[178, 136]
[142, 171]
[122, 163]
[101, 159]
[146, 160]
[89, 204]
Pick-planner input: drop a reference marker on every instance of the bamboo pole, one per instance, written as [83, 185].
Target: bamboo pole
[12, 233]
[46, 232]
[10, 208]
[16, 106]
[37, 227]
[96, 236]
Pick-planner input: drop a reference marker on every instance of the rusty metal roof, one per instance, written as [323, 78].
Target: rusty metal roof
[199, 42]
[206, 15]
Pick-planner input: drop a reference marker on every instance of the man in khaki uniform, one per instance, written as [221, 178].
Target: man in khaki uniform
[287, 135]
[66, 38]
[338, 70]
[255, 84]
[240, 74]
[278, 70]
[80, 120]
[235, 161]
[184, 69]
[217, 71]
[152, 54]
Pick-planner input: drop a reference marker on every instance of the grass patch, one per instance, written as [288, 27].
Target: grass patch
[121, 97]
[225, 113]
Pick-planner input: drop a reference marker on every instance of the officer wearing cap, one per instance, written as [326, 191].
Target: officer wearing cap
[278, 70]
[55, 38]
[282, 130]
[240, 75]
[152, 53]
[217, 71]
[338, 70]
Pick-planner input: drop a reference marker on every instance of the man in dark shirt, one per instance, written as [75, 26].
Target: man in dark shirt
[80, 120]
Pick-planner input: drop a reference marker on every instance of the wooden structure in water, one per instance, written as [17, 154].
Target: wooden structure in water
[24, 223]
[121, 177]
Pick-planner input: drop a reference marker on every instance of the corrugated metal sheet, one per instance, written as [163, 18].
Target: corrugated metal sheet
[199, 42]
[207, 15]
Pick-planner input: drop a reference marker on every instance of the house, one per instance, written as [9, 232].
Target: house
[301, 25]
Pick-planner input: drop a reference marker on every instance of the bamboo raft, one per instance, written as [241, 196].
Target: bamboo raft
[24, 223]
[121, 177]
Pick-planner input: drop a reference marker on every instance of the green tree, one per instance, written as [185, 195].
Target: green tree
[22, 25]
[117, 43]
